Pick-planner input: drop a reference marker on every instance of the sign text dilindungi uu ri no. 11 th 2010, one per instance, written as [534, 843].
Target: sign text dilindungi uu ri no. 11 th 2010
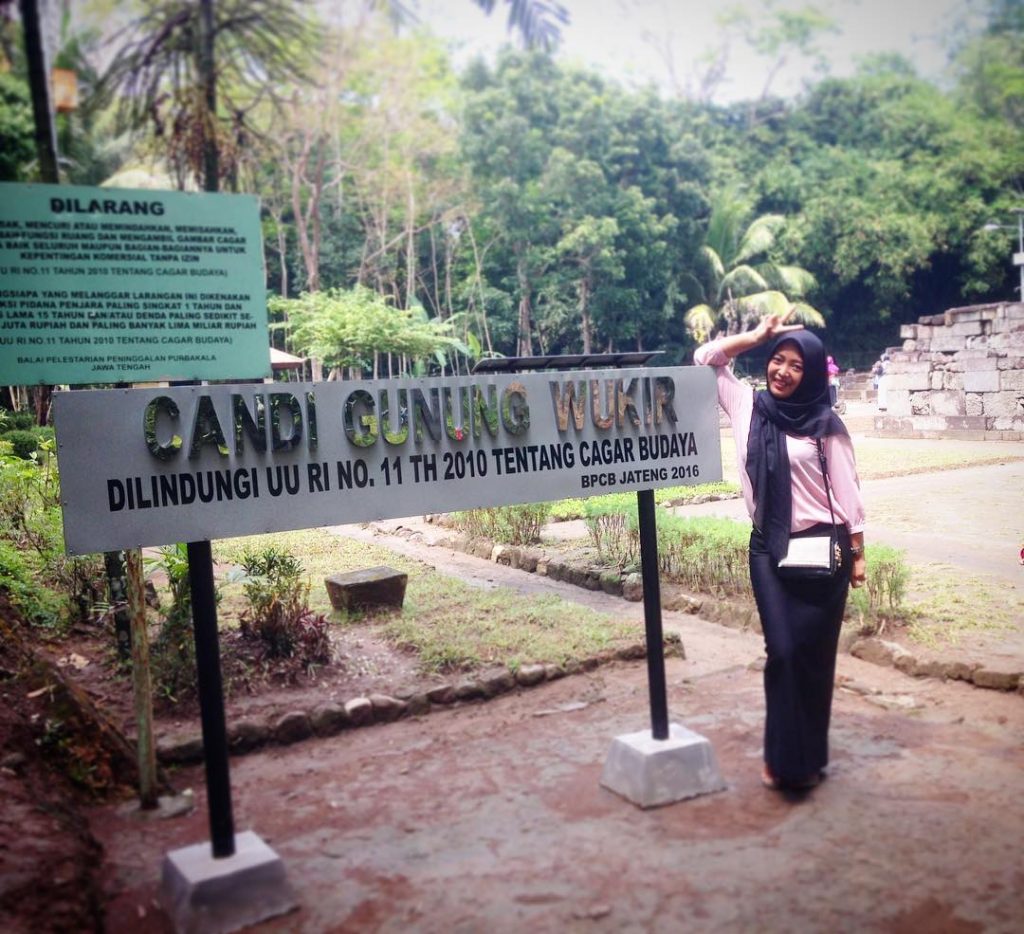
[155, 466]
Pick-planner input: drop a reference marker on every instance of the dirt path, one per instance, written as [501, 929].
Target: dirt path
[492, 818]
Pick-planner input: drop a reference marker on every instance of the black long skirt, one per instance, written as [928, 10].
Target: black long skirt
[801, 622]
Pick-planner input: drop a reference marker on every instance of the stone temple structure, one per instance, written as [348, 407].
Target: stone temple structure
[958, 375]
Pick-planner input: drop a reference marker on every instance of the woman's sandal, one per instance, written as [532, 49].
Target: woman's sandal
[771, 782]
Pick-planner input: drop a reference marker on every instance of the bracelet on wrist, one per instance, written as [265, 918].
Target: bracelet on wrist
[856, 550]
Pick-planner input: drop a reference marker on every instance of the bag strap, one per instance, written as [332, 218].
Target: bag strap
[825, 477]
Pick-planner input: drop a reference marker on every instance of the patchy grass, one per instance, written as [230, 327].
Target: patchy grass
[567, 509]
[948, 605]
[878, 458]
[449, 624]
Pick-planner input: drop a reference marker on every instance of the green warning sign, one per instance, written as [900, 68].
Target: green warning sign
[105, 285]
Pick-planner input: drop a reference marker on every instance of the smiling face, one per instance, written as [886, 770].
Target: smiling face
[785, 370]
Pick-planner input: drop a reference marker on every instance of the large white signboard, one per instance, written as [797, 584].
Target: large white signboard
[143, 467]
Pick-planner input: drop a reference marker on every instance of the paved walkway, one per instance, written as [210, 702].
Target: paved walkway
[492, 817]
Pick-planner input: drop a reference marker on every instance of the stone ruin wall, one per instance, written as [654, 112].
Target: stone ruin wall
[959, 374]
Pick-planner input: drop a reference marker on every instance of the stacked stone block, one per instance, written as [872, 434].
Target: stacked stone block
[959, 374]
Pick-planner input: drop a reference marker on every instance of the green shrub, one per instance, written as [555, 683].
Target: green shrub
[38, 605]
[172, 655]
[614, 528]
[509, 525]
[23, 420]
[882, 597]
[278, 614]
[31, 521]
[23, 442]
[705, 553]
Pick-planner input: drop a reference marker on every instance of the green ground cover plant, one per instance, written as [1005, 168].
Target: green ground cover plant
[278, 616]
[508, 525]
[449, 624]
[946, 605]
[882, 599]
[568, 509]
[31, 526]
[703, 553]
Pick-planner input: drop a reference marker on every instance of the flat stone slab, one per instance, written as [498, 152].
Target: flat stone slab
[203, 895]
[651, 772]
[367, 588]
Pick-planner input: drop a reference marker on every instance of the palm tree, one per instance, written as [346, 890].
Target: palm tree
[538, 22]
[171, 57]
[739, 281]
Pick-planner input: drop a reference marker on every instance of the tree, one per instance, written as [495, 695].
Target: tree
[889, 182]
[159, 77]
[354, 327]
[589, 198]
[537, 22]
[506, 142]
[990, 67]
[734, 289]
[17, 134]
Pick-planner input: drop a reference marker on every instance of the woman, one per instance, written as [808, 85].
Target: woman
[777, 433]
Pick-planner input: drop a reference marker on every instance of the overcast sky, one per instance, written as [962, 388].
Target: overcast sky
[609, 35]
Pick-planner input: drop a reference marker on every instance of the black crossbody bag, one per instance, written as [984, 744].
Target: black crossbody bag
[814, 557]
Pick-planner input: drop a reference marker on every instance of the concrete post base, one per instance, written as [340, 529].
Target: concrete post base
[651, 772]
[203, 895]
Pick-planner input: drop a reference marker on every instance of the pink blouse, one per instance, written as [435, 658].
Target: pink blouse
[810, 505]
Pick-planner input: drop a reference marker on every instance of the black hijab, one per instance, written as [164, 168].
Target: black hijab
[808, 414]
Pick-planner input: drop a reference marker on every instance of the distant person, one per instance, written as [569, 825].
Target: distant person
[780, 434]
[883, 365]
[833, 379]
[876, 373]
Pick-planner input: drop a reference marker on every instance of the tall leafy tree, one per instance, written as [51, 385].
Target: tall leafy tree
[589, 202]
[890, 184]
[17, 132]
[739, 280]
[508, 125]
[356, 328]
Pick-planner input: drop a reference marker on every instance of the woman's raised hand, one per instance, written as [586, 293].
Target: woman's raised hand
[771, 326]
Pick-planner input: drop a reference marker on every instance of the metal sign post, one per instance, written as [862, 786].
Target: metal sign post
[652, 613]
[671, 762]
[211, 699]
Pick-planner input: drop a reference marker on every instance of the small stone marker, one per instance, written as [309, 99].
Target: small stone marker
[367, 587]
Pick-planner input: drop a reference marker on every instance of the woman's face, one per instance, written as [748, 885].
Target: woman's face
[785, 371]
